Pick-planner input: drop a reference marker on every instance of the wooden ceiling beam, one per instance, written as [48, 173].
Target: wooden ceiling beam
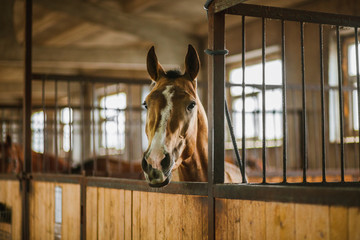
[171, 41]
[137, 6]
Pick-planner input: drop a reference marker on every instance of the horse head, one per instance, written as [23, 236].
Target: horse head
[171, 122]
[10, 157]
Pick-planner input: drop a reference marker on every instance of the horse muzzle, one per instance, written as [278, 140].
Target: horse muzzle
[156, 177]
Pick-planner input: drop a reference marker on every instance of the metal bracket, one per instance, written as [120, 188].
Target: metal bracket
[216, 52]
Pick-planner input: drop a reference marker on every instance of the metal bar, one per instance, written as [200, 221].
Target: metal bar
[357, 82]
[311, 193]
[83, 124]
[233, 139]
[216, 96]
[293, 15]
[323, 166]
[2, 141]
[70, 125]
[93, 128]
[80, 78]
[106, 143]
[243, 152]
[340, 103]
[263, 59]
[284, 113]
[304, 129]
[117, 127]
[27, 101]
[44, 125]
[56, 129]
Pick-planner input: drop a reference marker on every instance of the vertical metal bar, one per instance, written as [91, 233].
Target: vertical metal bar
[117, 128]
[44, 124]
[340, 103]
[357, 83]
[106, 143]
[82, 124]
[56, 128]
[216, 96]
[322, 103]
[304, 129]
[243, 153]
[27, 121]
[2, 141]
[93, 127]
[284, 107]
[70, 125]
[130, 153]
[263, 100]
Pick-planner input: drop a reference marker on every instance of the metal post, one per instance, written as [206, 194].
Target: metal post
[27, 121]
[216, 98]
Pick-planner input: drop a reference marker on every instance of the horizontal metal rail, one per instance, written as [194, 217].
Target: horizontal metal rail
[287, 14]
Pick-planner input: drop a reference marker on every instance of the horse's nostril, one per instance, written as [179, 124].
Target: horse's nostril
[165, 163]
[144, 165]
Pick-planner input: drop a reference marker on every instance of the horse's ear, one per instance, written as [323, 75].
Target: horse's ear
[192, 63]
[154, 68]
[8, 140]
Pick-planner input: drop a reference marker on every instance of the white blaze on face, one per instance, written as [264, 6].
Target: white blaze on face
[157, 148]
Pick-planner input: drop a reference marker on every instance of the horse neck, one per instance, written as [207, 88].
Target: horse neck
[195, 167]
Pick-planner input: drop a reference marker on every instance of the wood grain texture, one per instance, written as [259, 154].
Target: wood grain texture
[354, 223]
[42, 210]
[339, 222]
[280, 220]
[91, 213]
[10, 195]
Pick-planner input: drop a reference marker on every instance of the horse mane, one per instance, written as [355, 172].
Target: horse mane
[173, 74]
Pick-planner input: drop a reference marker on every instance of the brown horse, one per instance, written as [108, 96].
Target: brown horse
[176, 126]
[12, 160]
[109, 166]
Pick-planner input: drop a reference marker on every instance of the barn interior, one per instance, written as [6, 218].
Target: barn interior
[90, 57]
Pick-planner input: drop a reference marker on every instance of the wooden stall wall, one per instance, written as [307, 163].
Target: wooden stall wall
[244, 219]
[11, 196]
[42, 210]
[124, 214]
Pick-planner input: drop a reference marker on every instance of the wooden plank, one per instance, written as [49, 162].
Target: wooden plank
[91, 213]
[121, 212]
[151, 218]
[128, 214]
[192, 220]
[234, 219]
[220, 219]
[205, 217]
[160, 215]
[280, 220]
[101, 214]
[136, 220]
[312, 221]
[338, 223]
[253, 226]
[354, 220]
[71, 214]
[173, 208]
[107, 213]
[10, 195]
[144, 227]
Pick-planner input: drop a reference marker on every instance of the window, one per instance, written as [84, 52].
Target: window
[113, 121]
[351, 124]
[253, 100]
[352, 79]
[37, 127]
[66, 120]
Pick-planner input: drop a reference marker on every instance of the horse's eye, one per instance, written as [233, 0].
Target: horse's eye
[144, 104]
[191, 106]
